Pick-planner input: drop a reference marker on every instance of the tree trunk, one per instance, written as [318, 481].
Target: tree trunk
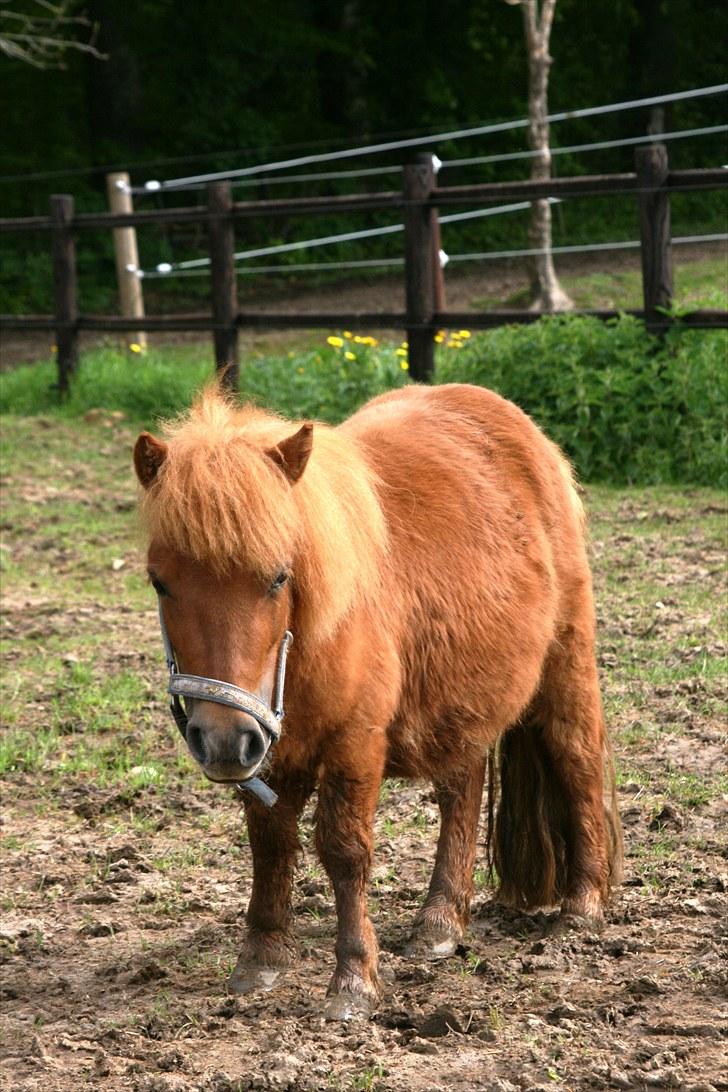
[546, 292]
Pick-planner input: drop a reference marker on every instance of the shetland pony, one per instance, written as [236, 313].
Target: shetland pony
[428, 557]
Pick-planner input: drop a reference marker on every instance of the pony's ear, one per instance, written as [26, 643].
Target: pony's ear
[291, 454]
[149, 454]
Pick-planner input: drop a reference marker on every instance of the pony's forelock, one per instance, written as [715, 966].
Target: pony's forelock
[220, 499]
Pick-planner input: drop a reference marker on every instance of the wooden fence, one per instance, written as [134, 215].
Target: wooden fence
[420, 197]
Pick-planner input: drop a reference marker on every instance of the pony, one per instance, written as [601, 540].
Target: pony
[428, 557]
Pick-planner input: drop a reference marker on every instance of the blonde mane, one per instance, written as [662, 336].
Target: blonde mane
[221, 500]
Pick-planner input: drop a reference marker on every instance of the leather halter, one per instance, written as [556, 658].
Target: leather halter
[267, 717]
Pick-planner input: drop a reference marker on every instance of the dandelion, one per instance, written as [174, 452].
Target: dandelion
[401, 352]
[404, 365]
[464, 333]
[300, 370]
[439, 338]
[136, 347]
[359, 340]
[369, 341]
[404, 345]
[348, 335]
[337, 342]
[349, 356]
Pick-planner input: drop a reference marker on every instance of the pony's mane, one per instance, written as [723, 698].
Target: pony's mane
[220, 499]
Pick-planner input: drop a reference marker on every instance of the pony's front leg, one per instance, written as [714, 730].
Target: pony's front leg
[269, 945]
[347, 800]
[441, 923]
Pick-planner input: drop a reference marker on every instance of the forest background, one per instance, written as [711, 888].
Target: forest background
[209, 86]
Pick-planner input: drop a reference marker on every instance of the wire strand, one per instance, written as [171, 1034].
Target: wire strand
[167, 268]
[457, 134]
[489, 255]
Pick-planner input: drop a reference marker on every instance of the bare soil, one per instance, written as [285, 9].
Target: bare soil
[489, 284]
[122, 906]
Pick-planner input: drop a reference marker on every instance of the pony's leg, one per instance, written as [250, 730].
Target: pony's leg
[346, 804]
[557, 833]
[441, 923]
[269, 944]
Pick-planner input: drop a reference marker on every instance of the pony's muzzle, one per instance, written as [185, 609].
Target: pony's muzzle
[231, 751]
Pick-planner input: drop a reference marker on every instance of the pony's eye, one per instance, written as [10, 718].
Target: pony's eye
[158, 585]
[279, 581]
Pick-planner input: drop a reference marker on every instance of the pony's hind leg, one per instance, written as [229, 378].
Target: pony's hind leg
[557, 835]
[269, 945]
[441, 923]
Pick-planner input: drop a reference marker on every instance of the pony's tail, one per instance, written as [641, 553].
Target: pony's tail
[528, 822]
[530, 832]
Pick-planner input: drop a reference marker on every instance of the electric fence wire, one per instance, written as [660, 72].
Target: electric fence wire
[167, 268]
[153, 185]
[445, 259]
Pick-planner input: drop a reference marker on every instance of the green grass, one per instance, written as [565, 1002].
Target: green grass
[697, 284]
[625, 407]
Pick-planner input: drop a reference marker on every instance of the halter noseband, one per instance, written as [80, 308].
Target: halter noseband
[267, 718]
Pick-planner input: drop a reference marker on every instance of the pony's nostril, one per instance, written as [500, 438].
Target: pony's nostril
[251, 748]
[196, 743]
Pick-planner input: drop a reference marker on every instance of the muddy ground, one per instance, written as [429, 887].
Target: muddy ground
[123, 899]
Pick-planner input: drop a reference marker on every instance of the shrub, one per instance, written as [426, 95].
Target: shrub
[625, 407]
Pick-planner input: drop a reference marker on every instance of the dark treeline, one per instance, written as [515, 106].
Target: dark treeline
[209, 78]
[209, 85]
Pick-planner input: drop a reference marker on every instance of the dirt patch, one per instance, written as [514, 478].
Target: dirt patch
[469, 288]
[123, 894]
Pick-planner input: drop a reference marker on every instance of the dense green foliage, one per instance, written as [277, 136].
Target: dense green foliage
[626, 408]
[213, 86]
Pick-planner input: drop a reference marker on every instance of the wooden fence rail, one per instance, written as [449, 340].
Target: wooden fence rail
[651, 183]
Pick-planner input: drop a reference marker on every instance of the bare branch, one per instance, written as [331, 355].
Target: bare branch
[41, 38]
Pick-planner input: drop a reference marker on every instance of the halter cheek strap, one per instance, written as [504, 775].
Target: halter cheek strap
[267, 718]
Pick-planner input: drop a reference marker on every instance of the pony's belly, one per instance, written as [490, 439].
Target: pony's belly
[419, 749]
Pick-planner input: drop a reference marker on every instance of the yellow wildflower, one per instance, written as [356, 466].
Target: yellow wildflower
[337, 342]
[136, 347]
[300, 370]
[348, 334]
[404, 365]
[439, 338]
[359, 340]
[349, 356]
[401, 352]
[464, 333]
[404, 345]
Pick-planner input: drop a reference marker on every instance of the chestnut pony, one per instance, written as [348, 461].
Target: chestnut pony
[428, 557]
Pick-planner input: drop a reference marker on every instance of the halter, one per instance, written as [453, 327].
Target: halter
[267, 717]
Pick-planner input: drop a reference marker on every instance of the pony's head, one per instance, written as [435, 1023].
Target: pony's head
[254, 528]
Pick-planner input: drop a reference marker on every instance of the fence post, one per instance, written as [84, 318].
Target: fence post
[652, 169]
[126, 252]
[419, 264]
[64, 287]
[221, 233]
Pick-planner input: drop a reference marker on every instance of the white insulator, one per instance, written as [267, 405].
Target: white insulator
[444, 258]
[436, 163]
[153, 185]
[164, 267]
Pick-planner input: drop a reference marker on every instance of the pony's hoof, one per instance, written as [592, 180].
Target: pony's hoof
[570, 922]
[348, 1006]
[432, 944]
[252, 978]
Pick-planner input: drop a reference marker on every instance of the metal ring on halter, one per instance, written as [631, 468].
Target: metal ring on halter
[268, 718]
